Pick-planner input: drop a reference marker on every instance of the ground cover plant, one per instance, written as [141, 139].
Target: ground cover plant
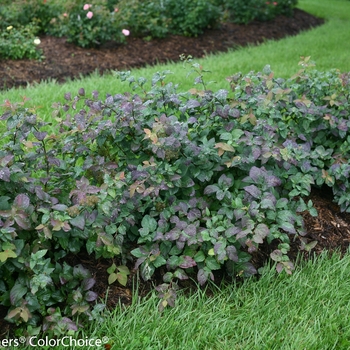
[187, 183]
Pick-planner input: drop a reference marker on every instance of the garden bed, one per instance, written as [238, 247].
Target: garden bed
[64, 60]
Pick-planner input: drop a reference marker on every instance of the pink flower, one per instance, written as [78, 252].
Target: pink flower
[125, 32]
[275, 3]
[89, 14]
[86, 7]
[116, 9]
[65, 15]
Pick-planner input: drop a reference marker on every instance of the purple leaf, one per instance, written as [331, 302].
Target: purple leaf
[239, 213]
[279, 267]
[59, 207]
[268, 201]
[276, 255]
[88, 283]
[202, 276]
[175, 177]
[40, 135]
[22, 201]
[273, 181]
[255, 173]
[232, 253]
[288, 227]
[5, 160]
[187, 262]
[70, 325]
[253, 191]
[190, 230]
[22, 221]
[91, 296]
[172, 235]
[225, 180]
[17, 292]
[260, 232]
[139, 261]
[232, 231]
[192, 104]
[80, 120]
[193, 214]
[5, 174]
[54, 161]
[219, 250]
[78, 222]
[211, 189]
[41, 194]
[95, 94]
[180, 274]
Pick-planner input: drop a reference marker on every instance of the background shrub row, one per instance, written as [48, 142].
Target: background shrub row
[105, 20]
[188, 183]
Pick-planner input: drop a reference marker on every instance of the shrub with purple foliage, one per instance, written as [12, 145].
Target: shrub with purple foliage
[189, 183]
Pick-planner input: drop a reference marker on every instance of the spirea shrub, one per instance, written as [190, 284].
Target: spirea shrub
[186, 183]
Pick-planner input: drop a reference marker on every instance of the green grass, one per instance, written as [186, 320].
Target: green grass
[308, 310]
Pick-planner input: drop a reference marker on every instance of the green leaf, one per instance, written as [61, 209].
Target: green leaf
[122, 279]
[4, 204]
[39, 281]
[149, 223]
[199, 257]
[147, 270]
[112, 278]
[138, 253]
[212, 264]
[144, 232]
[124, 269]
[236, 134]
[160, 261]
[7, 254]
[226, 136]
[112, 268]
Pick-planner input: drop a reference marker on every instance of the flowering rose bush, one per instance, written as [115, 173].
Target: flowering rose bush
[92, 24]
[88, 25]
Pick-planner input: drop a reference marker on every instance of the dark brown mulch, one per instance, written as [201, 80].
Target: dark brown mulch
[63, 60]
[330, 229]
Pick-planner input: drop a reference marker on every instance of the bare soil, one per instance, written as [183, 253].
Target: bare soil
[330, 229]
